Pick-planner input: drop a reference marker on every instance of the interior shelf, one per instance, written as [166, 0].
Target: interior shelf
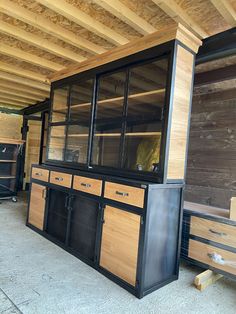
[113, 134]
[144, 97]
[7, 160]
[7, 177]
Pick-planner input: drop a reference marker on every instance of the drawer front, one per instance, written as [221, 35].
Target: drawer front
[40, 174]
[213, 231]
[125, 194]
[60, 178]
[88, 185]
[212, 256]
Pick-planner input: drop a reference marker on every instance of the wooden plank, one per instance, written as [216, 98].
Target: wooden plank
[128, 16]
[180, 115]
[177, 32]
[78, 16]
[225, 8]
[205, 279]
[12, 102]
[45, 25]
[233, 208]
[29, 57]
[20, 94]
[8, 68]
[120, 240]
[24, 81]
[39, 42]
[8, 140]
[171, 8]
[17, 98]
[21, 88]
[206, 209]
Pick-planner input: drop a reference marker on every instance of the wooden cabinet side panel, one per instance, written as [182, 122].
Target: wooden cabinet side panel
[37, 206]
[180, 114]
[120, 240]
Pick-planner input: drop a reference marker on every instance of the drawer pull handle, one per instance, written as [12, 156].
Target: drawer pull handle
[58, 178]
[86, 185]
[221, 234]
[216, 258]
[39, 174]
[122, 193]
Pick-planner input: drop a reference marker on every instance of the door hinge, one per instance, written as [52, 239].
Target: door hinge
[142, 220]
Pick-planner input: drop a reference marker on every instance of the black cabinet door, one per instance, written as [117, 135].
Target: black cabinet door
[84, 217]
[57, 215]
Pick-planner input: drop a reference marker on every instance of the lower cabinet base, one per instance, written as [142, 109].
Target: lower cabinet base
[136, 291]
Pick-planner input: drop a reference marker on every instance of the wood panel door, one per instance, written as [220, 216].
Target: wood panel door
[120, 241]
[37, 205]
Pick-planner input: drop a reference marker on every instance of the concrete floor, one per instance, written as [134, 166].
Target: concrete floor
[36, 276]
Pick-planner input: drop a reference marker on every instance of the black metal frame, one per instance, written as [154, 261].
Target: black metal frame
[139, 58]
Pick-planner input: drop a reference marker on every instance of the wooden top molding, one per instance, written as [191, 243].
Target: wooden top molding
[178, 32]
[5, 140]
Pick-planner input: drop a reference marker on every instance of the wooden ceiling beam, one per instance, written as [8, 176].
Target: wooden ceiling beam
[4, 101]
[24, 89]
[29, 58]
[16, 98]
[45, 25]
[39, 42]
[128, 16]
[9, 68]
[171, 8]
[226, 10]
[25, 95]
[24, 81]
[79, 17]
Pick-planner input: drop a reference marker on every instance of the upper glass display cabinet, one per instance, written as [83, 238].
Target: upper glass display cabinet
[114, 121]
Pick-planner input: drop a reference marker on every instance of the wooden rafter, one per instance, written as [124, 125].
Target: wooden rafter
[24, 81]
[39, 42]
[23, 89]
[7, 67]
[126, 15]
[45, 25]
[29, 57]
[78, 16]
[11, 102]
[13, 92]
[16, 98]
[226, 10]
[171, 8]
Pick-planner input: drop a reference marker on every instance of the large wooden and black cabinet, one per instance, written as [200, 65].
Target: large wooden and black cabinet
[111, 186]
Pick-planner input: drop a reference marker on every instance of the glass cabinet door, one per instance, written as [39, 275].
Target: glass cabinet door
[108, 122]
[56, 145]
[79, 122]
[60, 104]
[146, 100]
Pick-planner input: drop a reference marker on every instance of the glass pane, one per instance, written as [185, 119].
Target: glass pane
[108, 124]
[80, 111]
[77, 143]
[59, 104]
[146, 101]
[57, 143]
[80, 106]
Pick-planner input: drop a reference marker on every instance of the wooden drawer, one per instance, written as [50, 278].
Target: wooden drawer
[88, 185]
[212, 256]
[213, 231]
[40, 174]
[125, 194]
[60, 178]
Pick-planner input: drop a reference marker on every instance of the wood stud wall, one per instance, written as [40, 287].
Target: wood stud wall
[39, 38]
